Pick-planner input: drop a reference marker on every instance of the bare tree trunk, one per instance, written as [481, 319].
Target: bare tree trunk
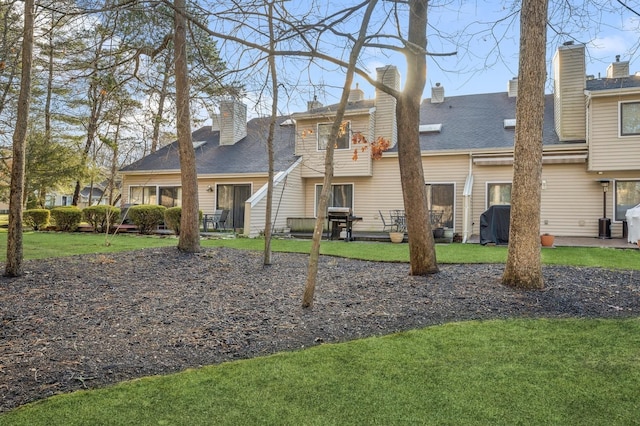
[157, 120]
[312, 271]
[268, 226]
[422, 253]
[14, 266]
[523, 268]
[190, 221]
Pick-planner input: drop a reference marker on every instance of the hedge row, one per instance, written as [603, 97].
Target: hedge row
[145, 217]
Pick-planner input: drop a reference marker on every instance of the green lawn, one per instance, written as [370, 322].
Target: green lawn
[39, 245]
[533, 372]
[536, 372]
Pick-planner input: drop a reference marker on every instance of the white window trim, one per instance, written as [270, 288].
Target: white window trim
[455, 198]
[348, 148]
[620, 135]
[315, 191]
[486, 190]
[615, 196]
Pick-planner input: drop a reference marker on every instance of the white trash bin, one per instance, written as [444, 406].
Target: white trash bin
[633, 224]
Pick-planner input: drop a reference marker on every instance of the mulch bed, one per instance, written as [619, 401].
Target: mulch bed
[93, 320]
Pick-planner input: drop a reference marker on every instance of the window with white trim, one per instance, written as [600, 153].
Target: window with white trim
[498, 193]
[324, 131]
[627, 195]
[341, 196]
[440, 200]
[143, 195]
[171, 196]
[629, 118]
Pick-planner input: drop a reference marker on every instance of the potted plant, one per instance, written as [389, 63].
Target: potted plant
[546, 240]
[396, 236]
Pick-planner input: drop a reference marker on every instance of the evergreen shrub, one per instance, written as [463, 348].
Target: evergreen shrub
[101, 215]
[147, 217]
[66, 218]
[37, 218]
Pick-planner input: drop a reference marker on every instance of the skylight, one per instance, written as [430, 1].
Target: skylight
[510, 123]
[431, 128]
[288, 122]
[197, 144]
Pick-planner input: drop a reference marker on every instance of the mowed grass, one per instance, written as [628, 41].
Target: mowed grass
[533, 372]
[39, 245]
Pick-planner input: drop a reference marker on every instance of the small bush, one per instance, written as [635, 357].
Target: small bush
[100, 216]
[37, 218]
[66, 218]
[147, 217]
[172, 217]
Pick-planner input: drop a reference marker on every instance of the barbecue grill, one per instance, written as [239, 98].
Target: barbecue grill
[341, 217]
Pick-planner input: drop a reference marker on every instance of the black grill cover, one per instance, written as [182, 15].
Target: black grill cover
[494, 225]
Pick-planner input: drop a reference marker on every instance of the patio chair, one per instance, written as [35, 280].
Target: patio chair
[222, 219]
[387, 226]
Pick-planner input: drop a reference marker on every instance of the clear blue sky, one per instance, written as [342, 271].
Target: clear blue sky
[486, 59]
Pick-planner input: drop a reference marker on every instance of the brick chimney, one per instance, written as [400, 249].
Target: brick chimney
[437, 94]
[233, 121]
[386, 125]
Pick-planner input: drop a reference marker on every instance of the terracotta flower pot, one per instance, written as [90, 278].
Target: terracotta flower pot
[396, 237]
[546, 240]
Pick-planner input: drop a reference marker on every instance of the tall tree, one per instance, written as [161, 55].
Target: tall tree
[14, 265]
[312, 270]
[273, 72]
[190, 221]
[523, 268]
[422, 253]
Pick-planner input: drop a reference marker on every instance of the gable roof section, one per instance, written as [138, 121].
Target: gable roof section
[249, 155]
[473, 122]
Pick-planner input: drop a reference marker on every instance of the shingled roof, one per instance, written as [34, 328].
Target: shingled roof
[613, 83]
[249, 155]
[477, 122]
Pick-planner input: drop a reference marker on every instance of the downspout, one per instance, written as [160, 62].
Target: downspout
[466, 215]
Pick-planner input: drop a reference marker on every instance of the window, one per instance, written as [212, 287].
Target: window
[143, 195]
[627, 196]
[171, 196]
[440, 198]
[498, 193]
[341, 196]
[629, 118]
[324, 130]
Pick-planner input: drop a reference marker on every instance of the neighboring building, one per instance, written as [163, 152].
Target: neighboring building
[591, 134]
[98, 196]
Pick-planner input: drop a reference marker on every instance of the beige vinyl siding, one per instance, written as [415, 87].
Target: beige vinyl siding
[344, 165]
[569, 99]
[449, 169]
[607, 150]
[383, 191]
[571, 198]
[206, 199]
[287, 196]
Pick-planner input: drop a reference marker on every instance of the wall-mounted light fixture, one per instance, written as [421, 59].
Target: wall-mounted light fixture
[209, 188]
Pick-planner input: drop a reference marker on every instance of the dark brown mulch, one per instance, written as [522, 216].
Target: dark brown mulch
[88, 321]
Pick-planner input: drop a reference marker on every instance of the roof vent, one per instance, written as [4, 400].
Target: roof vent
[568, 43]
[430, 128]
[510, 123]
